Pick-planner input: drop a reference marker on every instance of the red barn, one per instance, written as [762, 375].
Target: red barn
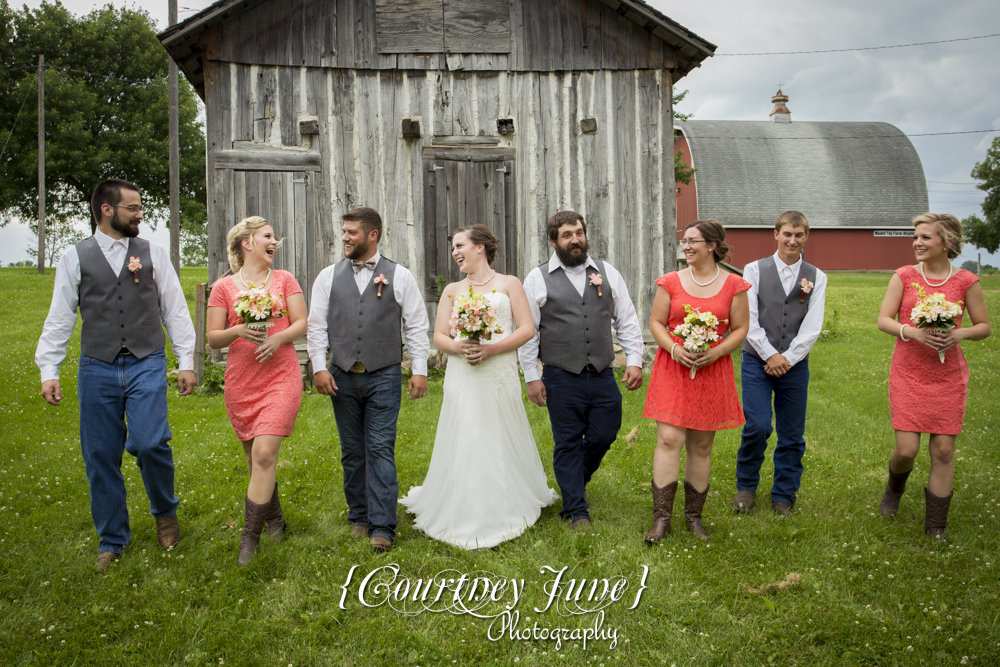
[860, 185]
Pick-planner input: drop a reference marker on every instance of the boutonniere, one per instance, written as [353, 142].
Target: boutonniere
[134, 265]
[596, 279]
[381, 280]
[806, 288]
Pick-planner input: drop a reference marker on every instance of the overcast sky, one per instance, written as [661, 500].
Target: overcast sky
[922, 89]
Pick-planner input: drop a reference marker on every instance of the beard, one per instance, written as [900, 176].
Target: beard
[359, 251]
[122, 227]
[571, 259]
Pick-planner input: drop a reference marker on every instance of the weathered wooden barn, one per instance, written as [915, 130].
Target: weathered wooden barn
[860, 185]
[441, 113]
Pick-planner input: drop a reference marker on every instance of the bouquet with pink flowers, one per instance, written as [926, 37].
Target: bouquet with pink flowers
[697, 331]
[474, 317]
[257, 307]
[935, 312]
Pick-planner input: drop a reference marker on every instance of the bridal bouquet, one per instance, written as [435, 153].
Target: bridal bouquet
[473, 317]
[257, 307]
[697, 331]
[935, 312]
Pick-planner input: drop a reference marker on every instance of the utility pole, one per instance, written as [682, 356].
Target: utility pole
[41, 163]
[175, 168]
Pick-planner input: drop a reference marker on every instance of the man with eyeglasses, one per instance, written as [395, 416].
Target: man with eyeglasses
[126, 291]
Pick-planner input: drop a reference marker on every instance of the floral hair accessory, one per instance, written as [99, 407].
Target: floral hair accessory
[380, 281]
[134, 265]
[596, 279]
[806, 288]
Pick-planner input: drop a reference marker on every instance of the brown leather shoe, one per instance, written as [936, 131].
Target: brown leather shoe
[744, 501]
[168, 531]
[581, 525]
[359, 531]
[778, 507]
[379, 543]
[105, 559]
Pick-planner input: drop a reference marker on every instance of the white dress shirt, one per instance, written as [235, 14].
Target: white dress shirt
[811, 325]
[59, 324]
[408, 296]
[625, 319]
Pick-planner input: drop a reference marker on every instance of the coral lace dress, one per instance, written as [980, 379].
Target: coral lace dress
[261, 398]
[708, 402]
[925, 395]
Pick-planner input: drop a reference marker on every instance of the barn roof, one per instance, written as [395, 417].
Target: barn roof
[187, 45]
[838, 174]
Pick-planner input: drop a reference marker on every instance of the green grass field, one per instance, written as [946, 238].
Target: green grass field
[855, 588]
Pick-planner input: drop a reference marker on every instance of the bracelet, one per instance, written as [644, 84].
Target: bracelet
[672, 352]
[901, 336]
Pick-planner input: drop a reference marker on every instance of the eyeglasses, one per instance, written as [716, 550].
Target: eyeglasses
[685, 242]
[134, 208]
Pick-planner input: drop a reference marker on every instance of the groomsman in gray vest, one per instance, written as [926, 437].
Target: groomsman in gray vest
[787, 297]
[358, 307]
[126, 291]
[575, 299]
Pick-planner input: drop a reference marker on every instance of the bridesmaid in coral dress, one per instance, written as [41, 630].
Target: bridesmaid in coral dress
[263, 379]
[690, 410]
[926, 395]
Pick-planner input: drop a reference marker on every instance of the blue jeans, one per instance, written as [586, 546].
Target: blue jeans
[136, 390]
[366, 408]
[585, 411]
[790, 393]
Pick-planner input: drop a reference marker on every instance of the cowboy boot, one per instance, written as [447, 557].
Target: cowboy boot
[893, 490]
[275, 523]
[663, 507]
[936, 514]
[253, 522]
[693, 502]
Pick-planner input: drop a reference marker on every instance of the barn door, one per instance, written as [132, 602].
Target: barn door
[463, 192]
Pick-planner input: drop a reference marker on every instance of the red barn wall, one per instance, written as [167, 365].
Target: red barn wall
[687, 197]
[827, 249]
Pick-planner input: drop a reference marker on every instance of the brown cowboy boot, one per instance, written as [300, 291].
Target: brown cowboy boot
[936, 514]
[663, 507]
[275, 522]
[253, 522]
[693, 502]
[893, 490]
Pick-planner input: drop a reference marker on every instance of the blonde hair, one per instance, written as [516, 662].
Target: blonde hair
[244, 229]
[949, 228]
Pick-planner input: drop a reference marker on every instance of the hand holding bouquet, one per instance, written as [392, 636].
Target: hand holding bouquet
[935, 312]
[257, 307]
[697, 331]
[473, 317]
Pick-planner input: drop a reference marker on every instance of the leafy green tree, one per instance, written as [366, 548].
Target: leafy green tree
[106, 115]
[971, 265]
[982, 233]
[682, 172]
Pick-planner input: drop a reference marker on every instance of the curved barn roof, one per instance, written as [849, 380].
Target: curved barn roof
[838, 174]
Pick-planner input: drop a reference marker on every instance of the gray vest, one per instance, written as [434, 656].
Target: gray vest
[575, 330]
[118, 312]
[780, 316]
[364, 327]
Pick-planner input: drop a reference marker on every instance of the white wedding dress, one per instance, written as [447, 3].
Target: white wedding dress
[485, 484]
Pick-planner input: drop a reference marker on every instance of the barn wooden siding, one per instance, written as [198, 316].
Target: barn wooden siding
[828, 248]
[619, 177]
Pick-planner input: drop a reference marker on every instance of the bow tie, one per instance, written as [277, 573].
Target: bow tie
[358, 264]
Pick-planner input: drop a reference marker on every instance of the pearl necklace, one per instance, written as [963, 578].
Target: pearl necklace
[929, 283]
[246, 284]
[482, 283]
[704, 284]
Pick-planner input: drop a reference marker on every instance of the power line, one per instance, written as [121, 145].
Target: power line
[952, 183]
[16, 119]
[862, 48]
[874, 136]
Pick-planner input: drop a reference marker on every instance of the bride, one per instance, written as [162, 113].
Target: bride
[485, 484]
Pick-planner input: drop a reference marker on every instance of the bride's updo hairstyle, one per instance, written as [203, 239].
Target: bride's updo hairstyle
[244, 229]
[713, 232]
[481, 235]
[949, 228]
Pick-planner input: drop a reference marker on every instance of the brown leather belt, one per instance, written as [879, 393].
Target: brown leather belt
[358, 367]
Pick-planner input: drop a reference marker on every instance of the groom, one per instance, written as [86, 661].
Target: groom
[358, 307]
[787, 297]
[575, 299]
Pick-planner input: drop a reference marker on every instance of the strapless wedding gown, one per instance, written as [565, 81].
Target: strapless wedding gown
[485, 484]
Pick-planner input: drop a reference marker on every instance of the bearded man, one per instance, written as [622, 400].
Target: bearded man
[575, 300]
